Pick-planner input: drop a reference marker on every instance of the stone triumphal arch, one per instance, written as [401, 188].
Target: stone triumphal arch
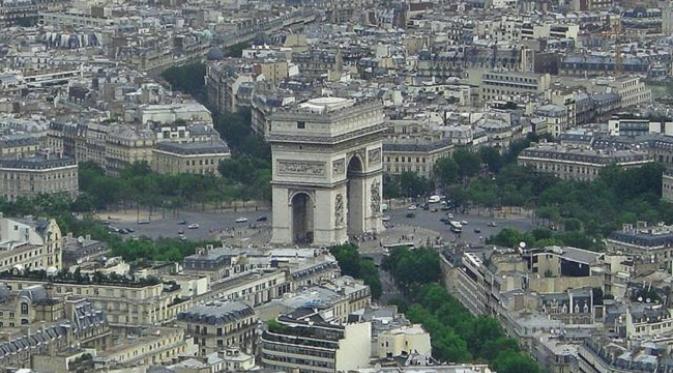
[327, 170]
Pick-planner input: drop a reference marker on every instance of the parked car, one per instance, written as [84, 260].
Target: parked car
[464, 222]
[477, 230]
[262, 218]
[181, 232]
[492, 224]
[242, 220]
[385, 218]
[182, 222]
[411, 207]
[193, 226]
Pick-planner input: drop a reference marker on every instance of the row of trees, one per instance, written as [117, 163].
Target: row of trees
[353, 264]
[250, 166]
[457, 335]
[139, 186]
[162, 249]
[542, 237]
[61, 207]
[454, 174]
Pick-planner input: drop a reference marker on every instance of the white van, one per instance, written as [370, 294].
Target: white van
[434, 199]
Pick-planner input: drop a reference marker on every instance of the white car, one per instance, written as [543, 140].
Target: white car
[242, 220]
[386, 218]
[464, 222]
[193, 226]
[412, 207]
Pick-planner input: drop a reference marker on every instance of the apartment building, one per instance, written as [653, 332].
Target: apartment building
[219, 325]
[222, 84]
[555, 117]
[143, 302]
[667, 187]
[28, 243]
[570, 162]
[416, 155]
[18, 147]
[14, 12]
[82, 325]
[253, 288]
[28, 306]
[404, 341]
[151, 346]
[126, 145]
[632, 91]
[495, 85]
[39, 174]
[302, 340]
[202, 158]
[651, 244]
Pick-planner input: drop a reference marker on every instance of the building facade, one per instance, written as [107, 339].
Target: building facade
[29, 244]
[219, 325]
[40, 174]
[578, 163]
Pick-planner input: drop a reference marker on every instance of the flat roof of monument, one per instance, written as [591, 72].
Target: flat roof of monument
[326, 104]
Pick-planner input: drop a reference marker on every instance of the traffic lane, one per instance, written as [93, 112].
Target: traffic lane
[210, 224]
[431, 220]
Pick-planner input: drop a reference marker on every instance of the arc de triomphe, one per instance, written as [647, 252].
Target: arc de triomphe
[327, 171]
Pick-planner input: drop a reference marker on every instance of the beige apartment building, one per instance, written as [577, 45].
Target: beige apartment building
[154, 346]
[192, 157]
[570, 162]
[414, 155]
[30, 244]
[667, 187]
[22, 308]
[127, 145]
[40, 174]
[124, 303]
[219, 325]
[18, 147]
[632, 91]
[496, 85]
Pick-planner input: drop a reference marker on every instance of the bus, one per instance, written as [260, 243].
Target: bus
[456, 227]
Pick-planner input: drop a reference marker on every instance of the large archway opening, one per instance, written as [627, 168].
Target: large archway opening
[355, 196]
[302, 219]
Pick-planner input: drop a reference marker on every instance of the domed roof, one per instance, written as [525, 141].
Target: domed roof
[215, 54]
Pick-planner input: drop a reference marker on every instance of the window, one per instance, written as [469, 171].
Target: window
[24, 308]
[301, 125]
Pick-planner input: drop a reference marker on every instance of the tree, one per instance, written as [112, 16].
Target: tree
[412, 185]
[445, 171]
[491, 157]
[468, 163]
[509, 361]
[187, 78]
[352, 264]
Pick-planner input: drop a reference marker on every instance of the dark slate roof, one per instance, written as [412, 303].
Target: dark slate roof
[194, 147]
[37, 162]
[218, 313]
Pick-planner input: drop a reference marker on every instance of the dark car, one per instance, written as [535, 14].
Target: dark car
[411, 215]
[262, 218]
[477, 230]
[444, 220]
[182, 222]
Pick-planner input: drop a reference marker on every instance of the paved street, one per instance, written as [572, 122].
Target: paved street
[210, 223]
[430, 220]
[213, 223]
